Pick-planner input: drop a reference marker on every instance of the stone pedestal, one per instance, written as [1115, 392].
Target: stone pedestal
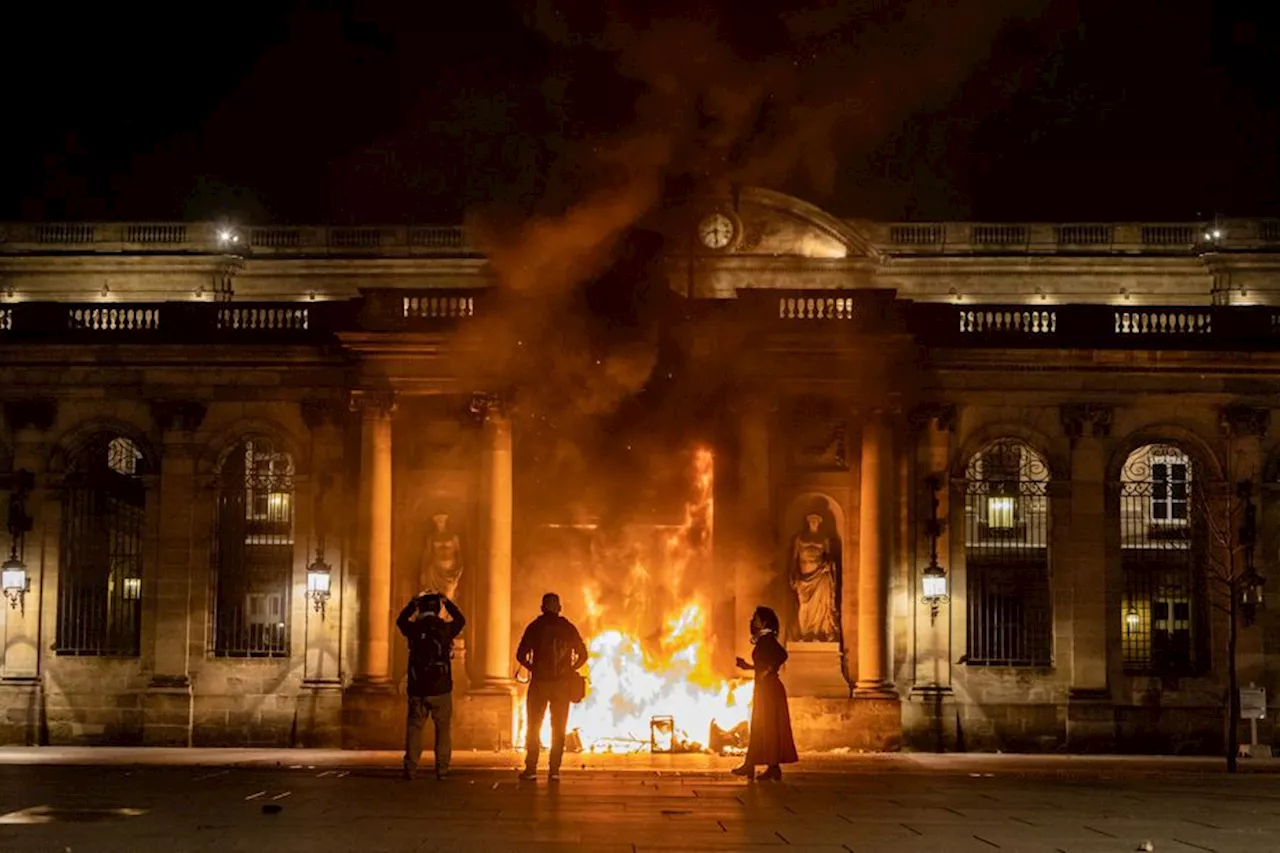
[22, 721]
[861, 725]
[815, 669]
[320, 715]
[373, 716]
[1091, 722]
[166, 712]
[929, 721]
[484, 719]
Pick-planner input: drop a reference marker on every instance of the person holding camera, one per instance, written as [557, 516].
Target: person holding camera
[430, 675]
[553, 652]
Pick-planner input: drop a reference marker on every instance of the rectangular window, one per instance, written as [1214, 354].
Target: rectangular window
[1000, 513]
[1169, 492]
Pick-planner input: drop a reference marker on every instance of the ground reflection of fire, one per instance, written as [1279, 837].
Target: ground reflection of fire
[657, 689]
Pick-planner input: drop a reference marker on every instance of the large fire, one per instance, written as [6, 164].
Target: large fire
[657, 690]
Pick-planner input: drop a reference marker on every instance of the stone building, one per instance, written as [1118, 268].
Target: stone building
[205, 426]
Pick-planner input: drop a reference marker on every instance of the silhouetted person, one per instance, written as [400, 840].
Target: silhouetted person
[771, 741]
[552, 650]
[430, 676]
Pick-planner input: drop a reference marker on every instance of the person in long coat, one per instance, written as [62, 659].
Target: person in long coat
[771, 742]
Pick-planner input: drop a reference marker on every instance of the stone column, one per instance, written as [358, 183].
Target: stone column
[376, 408]
[1079, 538]
[167, 720]
[874, 538]
[496, 657]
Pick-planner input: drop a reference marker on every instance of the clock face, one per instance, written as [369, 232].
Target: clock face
[716, 231]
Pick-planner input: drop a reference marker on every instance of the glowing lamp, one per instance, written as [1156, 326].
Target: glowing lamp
[934, 583]
[1131, 619]
[1251, 594]
[319, 578]
[227, 237]
[14, 580]
[133, 588]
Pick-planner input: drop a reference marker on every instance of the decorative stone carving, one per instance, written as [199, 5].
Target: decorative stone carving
[814, 569]
[942, 415]
[37, 413]
[1241, 421]
[1077, 417]
[441, 565]
[183, 415]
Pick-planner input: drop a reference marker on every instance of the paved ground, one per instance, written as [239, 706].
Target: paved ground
[197, 800]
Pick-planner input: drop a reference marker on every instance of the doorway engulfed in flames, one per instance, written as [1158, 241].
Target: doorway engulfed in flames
[651, 684]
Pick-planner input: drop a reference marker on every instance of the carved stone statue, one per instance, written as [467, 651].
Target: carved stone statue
[442, 566]
[813, 569]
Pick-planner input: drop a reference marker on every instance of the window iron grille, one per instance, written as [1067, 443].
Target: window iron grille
[253, 552]
[1162, 615]
[1007, 556]
[100, 577]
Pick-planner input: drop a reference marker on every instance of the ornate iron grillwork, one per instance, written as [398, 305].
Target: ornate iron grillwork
[1161, 542]
[253, 552]
[100, 577]
[1007, 556]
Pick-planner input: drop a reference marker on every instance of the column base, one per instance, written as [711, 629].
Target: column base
[373, 715]
[493, 687]
[1091, 721]
[22, 722]
[929, 721]
[874, 689]
[320, 706]
[484, 719]
[167, 711]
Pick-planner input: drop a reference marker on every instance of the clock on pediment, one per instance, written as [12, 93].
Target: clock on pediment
[719, 230]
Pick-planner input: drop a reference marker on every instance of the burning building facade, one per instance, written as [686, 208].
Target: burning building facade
[966, 463]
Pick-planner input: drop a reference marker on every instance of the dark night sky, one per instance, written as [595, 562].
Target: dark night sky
[416, 111]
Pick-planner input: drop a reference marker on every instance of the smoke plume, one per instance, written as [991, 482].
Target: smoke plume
[661, 102]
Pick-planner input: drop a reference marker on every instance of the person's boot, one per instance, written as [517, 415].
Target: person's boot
[529, 773]
[773, 774]
[744, 770]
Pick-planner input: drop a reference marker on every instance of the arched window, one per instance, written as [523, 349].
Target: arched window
[100, 576]
[253, 551]
[1006, 547]
[1162, 618]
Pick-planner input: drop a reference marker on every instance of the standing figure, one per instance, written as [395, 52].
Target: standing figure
[813, 577]
[552, 650]
[430, 676]
[441, 567]
[771, 741]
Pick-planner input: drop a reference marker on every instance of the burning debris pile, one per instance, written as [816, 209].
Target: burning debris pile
[651, 683]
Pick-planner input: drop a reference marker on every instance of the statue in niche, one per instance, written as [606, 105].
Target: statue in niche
[442, 563]
[813, 571]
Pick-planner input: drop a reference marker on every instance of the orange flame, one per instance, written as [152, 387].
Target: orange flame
[630, 682]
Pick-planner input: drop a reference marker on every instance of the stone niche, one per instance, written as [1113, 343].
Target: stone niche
[815, 668]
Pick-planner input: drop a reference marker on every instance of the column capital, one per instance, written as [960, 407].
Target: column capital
[490, 407]
[1076, 417]
[180, 415]
[370, 403]
[1243, 421]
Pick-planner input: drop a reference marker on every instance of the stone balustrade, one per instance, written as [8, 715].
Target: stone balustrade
[890, 238]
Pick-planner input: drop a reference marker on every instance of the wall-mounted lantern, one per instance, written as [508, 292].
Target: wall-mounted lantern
[933, 580]
[14, 579]
[319, 580]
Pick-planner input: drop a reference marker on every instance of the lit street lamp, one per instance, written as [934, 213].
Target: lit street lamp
[933, 580]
